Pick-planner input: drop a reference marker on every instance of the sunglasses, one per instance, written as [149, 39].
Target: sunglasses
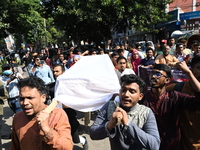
[157, 74]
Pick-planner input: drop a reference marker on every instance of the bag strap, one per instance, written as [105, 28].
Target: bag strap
[113, 97]
[179, 86]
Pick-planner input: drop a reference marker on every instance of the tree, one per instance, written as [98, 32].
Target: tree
[3, 15]
[26, 20]
[95, 19]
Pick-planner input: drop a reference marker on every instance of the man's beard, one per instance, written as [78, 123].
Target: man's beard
[127, 109]
[148, 57]
[166, 53]
[160, 86]
[121, 69]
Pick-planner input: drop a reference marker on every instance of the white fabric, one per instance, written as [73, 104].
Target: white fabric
[125, 72]
[88, 84]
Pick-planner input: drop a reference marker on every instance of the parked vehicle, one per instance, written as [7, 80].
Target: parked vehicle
[143, 43]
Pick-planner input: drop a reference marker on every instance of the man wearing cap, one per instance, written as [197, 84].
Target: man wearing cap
[10, 80]
[159, 51]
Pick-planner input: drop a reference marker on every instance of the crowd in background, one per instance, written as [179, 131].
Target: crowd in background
[127, 57]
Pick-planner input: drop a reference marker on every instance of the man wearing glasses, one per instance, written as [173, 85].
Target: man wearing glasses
[167, 105]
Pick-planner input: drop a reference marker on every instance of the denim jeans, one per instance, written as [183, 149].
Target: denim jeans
[14, 105]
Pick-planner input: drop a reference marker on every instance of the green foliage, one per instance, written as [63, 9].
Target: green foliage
[25, 20]
[85, 19]
[51, 20]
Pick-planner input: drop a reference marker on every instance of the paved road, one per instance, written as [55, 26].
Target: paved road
[93, 145]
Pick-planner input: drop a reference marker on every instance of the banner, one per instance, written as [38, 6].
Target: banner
[9, 43]
[88, 84]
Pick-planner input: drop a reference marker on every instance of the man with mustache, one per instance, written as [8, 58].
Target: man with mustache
[166, 57]
[35, 129]
[167, 105]
[122, 67]
[138, 128]
[149, 60]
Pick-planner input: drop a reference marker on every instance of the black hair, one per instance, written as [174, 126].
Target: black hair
[121, 57]
[91, 51]
[61, 65]
[33, 82]
[6, 67]
[120, 50]
[171, 38]
[194, 41]
[138, 44]
[132, 45]
[76, 50]
[197, 44]
[131, 78]
[114, 54]
[37, 56]
[165, 68]
[149, 49]
[148, 44]
[195, 60]
[101, 49]
[178, 44]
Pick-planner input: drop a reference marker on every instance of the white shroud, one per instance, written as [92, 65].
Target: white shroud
[88, 84]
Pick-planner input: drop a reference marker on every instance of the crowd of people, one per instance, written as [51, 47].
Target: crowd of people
[165, 117]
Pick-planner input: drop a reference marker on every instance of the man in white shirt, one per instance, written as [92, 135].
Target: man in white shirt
[122, 67]
[10, 81]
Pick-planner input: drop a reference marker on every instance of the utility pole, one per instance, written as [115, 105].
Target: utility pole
[45, 30]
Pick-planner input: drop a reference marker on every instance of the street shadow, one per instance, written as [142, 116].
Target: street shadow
[80, 115]
[83, 129]
[5, 146]
[6, 130]
[76, 147]
[7, 112]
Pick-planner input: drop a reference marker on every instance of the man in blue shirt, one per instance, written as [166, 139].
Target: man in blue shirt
[41, 71]
[149, 60]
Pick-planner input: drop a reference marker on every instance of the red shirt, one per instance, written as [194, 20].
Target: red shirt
[167, 109]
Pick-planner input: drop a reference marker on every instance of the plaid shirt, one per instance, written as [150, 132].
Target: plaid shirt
[167, 109]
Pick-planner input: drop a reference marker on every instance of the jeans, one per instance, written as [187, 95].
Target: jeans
[14, 105]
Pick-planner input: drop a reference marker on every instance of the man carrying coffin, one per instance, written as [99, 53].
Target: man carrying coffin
[138, 128]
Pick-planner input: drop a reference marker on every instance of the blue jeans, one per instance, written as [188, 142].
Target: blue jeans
[14, 105]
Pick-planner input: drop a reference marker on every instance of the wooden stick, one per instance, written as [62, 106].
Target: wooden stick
[51, 106]
[118, 119]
